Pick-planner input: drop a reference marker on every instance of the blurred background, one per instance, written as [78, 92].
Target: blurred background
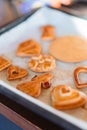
[10, 10]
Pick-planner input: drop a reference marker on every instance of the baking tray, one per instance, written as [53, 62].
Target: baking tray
[9, 41]
[14, 121]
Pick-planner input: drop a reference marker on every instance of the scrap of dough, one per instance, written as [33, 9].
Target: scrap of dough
[69, 49]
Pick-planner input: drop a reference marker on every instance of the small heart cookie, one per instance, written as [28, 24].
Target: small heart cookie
[4, 63]
[64, 97]
[42, 63]
[77, 71]
[29, 48]
[16, 72]
[32, 88]
[48, 32]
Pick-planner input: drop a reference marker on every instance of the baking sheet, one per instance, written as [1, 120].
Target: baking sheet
[63, 74]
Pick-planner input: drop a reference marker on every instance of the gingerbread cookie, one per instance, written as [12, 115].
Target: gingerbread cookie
[42, 63]
[29, 48]
[4, 63]
[16, 72]
[64, 97]
[32, 88]
[48, 32]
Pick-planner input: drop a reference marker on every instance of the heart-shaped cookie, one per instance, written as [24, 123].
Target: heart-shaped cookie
[4, 63]
[29, 48]
[16, 72]
[64, 97]
[77, 71]
[32, 88]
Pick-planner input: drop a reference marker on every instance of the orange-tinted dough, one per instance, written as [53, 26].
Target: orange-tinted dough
[29, 48]
[69, 49]
[42, 63]
[48, 32]
[32, 88]
[16, 72]
[4, 63]
[77, 72]
[64, 98]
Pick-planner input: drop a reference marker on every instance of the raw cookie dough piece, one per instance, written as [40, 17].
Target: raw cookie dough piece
[4, 63]
[64, 97]
[42, 63]
[48, 32]
[69, 49]
[16, 72]
[45, 80]
[77, 71]
[32, 88]
[29, 48]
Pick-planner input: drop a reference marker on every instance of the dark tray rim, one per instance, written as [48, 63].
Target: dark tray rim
[37, 109]
[17, 21]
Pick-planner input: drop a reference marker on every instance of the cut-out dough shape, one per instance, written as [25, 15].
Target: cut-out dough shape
[64, 97]
[29, 48]
[16, 72]
[4, 63]
[42, 63]
[77, 71]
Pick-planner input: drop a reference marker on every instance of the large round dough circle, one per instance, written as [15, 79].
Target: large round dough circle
[69, 49]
